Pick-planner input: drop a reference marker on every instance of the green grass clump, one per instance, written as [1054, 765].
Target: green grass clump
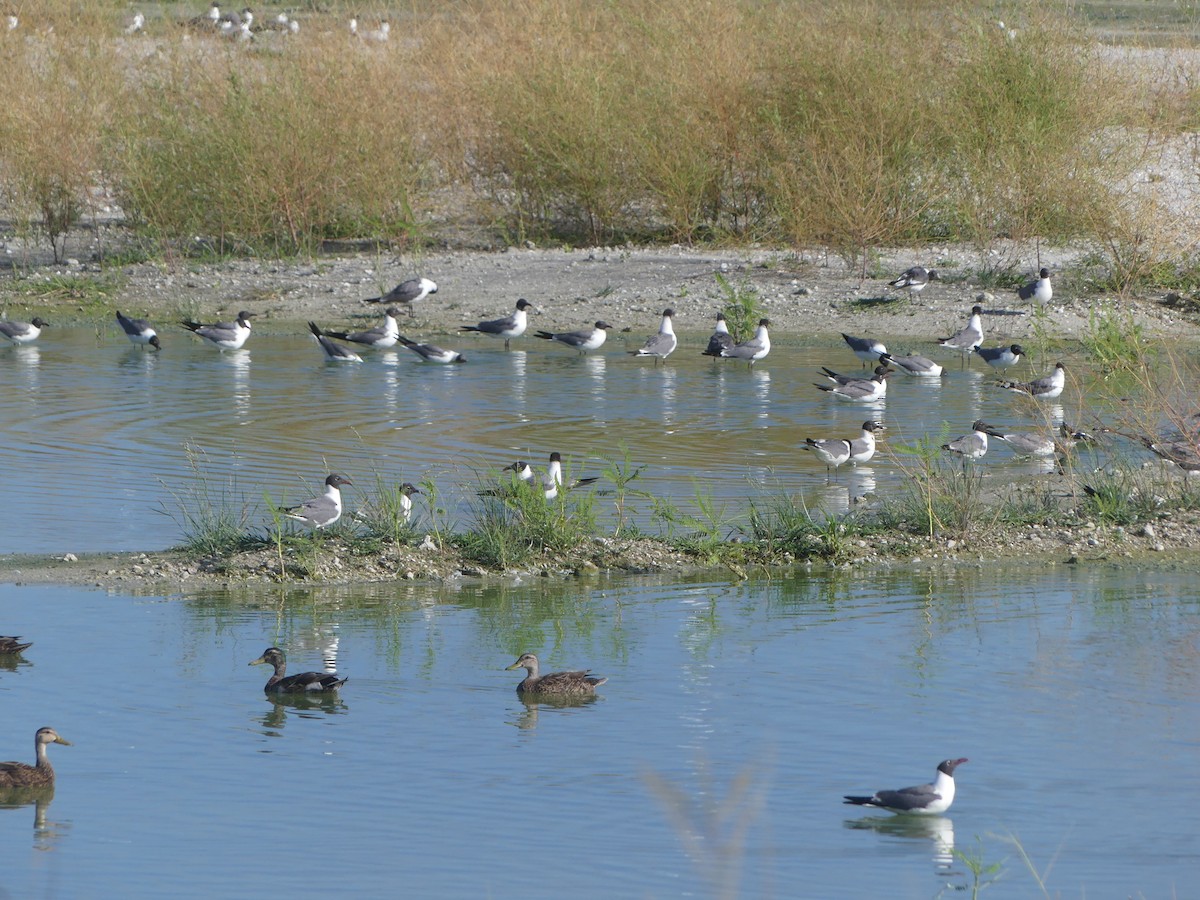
[513, 523]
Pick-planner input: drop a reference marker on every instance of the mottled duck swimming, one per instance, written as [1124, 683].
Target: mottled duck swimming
[303, 683]
[19, 774]
[13, 645]
[560, 683]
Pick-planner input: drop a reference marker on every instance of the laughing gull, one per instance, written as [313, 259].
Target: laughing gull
[323, 511]
[1025, 443]
[1048, 387]
[406, 293]
[210, 19]
[1184, 452]
[867, 349]
[135, 24]
[224, 335]
[924, 799]
[507, 327]
[430, 353]
[522, 469]
[553, 479]
[12, 644]
[917, 366]
[862, 448]
[22, 332]
[334, 352]
[139, 331]
[301, 682]
[406, 491]
[835, 453]
[849, 379]
[663, 344]
[966, 339]
[754, 349]
[865, 390]
[378, 338]
[379, 35]
[970, 446]
[914, 280]
[721, 339]
[584, 340]
[1001, 357]
[1039, 290]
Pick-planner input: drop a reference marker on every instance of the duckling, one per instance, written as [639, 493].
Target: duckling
[556, 682]
[13, 645]
[18, 774]
[305, 682]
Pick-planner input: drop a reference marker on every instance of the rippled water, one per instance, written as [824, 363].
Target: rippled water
[103, 439]
[735, 717]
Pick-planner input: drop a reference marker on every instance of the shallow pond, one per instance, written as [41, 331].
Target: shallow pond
[713, 761]
[108, 443]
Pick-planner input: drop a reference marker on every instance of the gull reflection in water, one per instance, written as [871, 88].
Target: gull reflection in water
[238, 362]
[533, 703]
[45, 832]
[937, 829]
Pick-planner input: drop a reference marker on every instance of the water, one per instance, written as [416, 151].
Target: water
[748, 706]
[106, 439]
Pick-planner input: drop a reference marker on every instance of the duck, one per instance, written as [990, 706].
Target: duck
[13, 644]
[555, 682]
[18, 774]
[302, 683]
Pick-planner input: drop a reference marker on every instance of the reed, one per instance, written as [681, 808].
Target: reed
[849, 125]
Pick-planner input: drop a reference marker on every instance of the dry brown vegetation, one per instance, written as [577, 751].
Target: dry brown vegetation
[849, 125]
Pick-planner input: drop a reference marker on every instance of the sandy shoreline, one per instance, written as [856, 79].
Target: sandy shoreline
[809, 297]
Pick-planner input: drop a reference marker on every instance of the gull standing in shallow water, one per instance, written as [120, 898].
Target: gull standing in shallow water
[334, 352]
[917, 366]
[300, 683]
[380, 337]
[835, 453]
[430, 353]
[663, 344]
[754, 349]
[967, 338]
[508, 327]
[867, 349]
[970, 446]
[406, 293]
[224, 335]
[577, 683]
[22, 332]
[1001, 357]
[721, 339]
[1025, 443]
[323, 511]
[140, 332]
[552, 481]
[584, 340]
[1048, 387]
[865, 390]
[923, 799]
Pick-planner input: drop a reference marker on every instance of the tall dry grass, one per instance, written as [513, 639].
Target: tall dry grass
[848, 125]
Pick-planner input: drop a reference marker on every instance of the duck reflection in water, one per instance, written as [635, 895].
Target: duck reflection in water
[39, 798]
[534, 703]
[302, 706]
